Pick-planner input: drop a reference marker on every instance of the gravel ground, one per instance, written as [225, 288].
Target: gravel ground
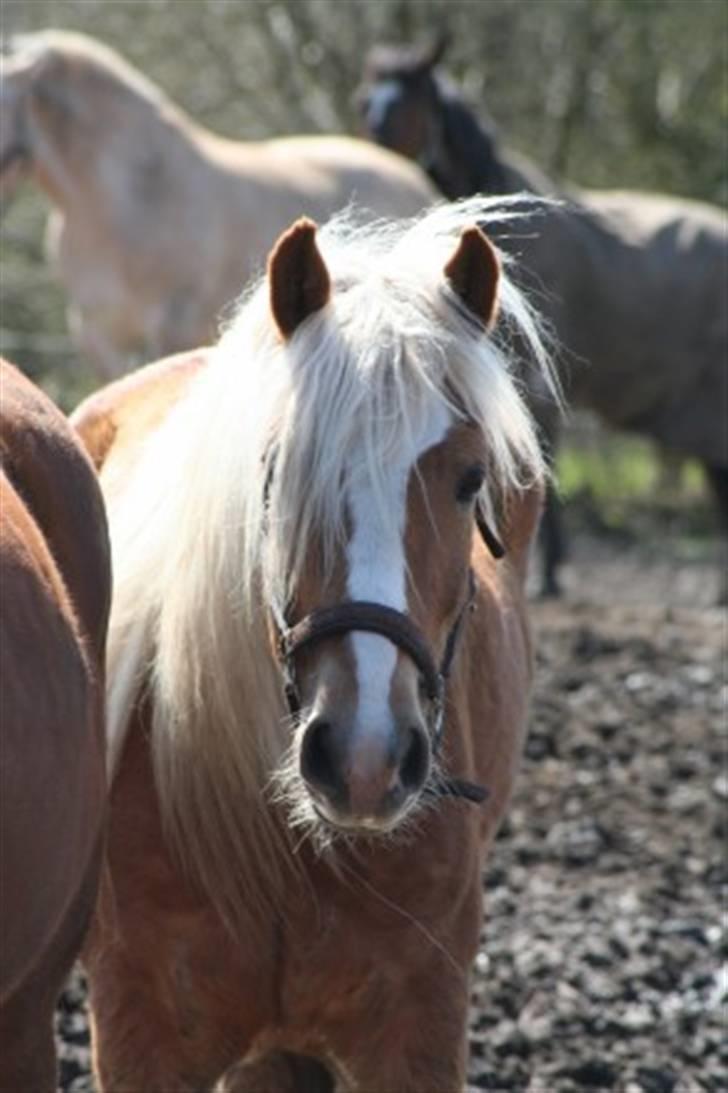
[605, 895]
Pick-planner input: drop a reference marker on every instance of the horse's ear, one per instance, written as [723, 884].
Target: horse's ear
[298, 278]
[437, 47]
[473, 273]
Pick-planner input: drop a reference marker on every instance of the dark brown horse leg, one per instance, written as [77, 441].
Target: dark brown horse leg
[718, 481]
[551, 544]
[27, 1050]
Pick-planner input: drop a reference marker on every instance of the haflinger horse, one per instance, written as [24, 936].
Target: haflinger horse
[55, 588]
[319, 666]
[634, 284]
[158, 221]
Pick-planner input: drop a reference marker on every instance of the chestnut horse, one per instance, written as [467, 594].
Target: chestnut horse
[55, 583]
[158, 221]
[319, 665]
[634, 284]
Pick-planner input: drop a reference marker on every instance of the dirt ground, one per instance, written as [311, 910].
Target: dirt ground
[605, 896]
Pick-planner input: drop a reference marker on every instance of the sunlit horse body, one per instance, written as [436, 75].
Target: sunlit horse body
[294, 860]
[54, 600]
[635, 284]
[158, 221]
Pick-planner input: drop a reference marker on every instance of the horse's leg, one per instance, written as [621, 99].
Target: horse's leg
[27, 1046]
[416, 1044]
[551, 543]
[718, 481]
[107, 360]
[139, 1042]
[27, 1049]
[551, 535]
[164, 985]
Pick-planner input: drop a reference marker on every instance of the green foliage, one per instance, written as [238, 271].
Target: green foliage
[622, 482]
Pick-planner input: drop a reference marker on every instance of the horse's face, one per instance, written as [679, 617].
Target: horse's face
[51, 112]
[397, 112]
[368, 712]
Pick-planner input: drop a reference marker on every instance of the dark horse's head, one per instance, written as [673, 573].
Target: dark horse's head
[411, 108]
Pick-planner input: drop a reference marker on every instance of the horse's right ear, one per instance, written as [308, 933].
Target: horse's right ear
[437, 48]
[297, 276]
[473, 273]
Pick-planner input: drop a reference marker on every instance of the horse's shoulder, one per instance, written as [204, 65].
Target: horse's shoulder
[133, 405]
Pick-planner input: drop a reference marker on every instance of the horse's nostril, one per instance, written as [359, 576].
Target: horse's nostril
[318, 764]
[415, 760]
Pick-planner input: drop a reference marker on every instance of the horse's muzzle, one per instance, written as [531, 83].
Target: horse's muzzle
[364, 784]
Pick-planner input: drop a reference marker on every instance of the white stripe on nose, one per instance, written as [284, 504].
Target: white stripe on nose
[377, 572]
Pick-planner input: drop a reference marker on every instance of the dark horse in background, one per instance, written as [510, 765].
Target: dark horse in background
[635, 284]
[55, 592]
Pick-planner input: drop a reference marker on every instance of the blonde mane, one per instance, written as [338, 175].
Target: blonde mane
[200, 544]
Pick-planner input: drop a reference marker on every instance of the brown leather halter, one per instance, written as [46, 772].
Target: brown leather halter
[376, 618]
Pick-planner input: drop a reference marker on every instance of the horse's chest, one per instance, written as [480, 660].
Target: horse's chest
[97, 276]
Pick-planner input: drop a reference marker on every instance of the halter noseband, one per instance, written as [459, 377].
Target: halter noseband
[376, 618]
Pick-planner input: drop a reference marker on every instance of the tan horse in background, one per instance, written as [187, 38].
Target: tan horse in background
[319, 668]
[55, 587]
[158, 222]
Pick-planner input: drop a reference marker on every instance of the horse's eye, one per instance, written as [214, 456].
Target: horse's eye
[470, 484]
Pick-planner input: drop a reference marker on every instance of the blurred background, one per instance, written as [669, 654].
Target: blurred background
[604, 93]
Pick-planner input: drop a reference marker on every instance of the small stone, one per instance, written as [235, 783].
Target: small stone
[482, 962]
[638, 681]
[637, 1018]
[700, 674]
[720, 786]
[655, 1079]
[594, 1073]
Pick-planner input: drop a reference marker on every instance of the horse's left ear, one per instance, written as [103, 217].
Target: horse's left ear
[298, 278]
[437, 48]
[473, 273]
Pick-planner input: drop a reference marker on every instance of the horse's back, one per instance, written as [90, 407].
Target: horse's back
[394, 185]
[56, 587]
[660, 267]
[318, 176]
[116, 420]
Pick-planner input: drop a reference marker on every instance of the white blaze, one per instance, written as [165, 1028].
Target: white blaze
[377, 572]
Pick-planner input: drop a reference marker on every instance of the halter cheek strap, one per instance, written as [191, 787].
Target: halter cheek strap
[376, 618]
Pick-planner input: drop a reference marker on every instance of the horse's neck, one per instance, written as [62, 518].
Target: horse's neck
[466, 157]
[462, 154]
[522, 174]
[115, 167]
